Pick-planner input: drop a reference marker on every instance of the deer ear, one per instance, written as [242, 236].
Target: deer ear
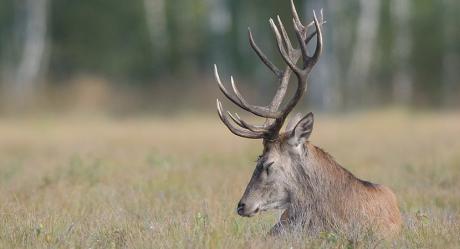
[293, 122]
[302, 130]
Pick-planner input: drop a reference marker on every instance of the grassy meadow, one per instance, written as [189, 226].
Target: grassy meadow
[151, 182]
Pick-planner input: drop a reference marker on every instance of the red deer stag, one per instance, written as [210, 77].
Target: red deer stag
[315, 192]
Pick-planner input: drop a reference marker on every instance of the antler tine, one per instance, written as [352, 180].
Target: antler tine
[283, 76]
[237, 92]
[223, 89]
[319, 38]
[295, 15]
[282, 51]
[301, 27]
[236, 130]
[244, 124]
[261, 111]
[302, 44]
[309, 62]
[281, 91]
[322, 16]
[297, 23]
[241, 102]
[235, 119]
[262, 56]
[287, 42]
[274, 117]
[280, 74]
[310, 36]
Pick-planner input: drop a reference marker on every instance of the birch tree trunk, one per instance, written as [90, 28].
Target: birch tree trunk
[364, 48]
[32, 59]
[331, 71]
[325, 93]
[155, 12]
[402, 81]
[451, 58]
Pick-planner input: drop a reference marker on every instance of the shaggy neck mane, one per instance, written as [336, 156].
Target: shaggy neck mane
[320, 188]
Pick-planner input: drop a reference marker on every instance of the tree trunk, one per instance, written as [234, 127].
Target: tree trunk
[326, 82]
[451, 58]
[402, 81]
[155, 13]
[31, 62]
[363, 50]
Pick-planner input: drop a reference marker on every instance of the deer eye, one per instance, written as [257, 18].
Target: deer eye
[267, 168]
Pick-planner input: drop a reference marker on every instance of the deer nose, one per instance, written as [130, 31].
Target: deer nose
[240, 208]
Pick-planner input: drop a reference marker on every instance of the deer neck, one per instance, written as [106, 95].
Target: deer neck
[316, 181]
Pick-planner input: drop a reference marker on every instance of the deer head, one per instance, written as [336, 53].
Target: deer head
[271, 182]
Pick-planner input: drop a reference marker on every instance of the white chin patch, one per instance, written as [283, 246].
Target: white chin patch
[299, 149]
[274, 205]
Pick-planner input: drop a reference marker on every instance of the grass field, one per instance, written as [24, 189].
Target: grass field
[175, 182]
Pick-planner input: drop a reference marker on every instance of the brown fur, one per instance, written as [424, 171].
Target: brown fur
[317, 194]
[344, 202]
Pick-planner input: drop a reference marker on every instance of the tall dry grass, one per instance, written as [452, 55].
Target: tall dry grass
[174, 182]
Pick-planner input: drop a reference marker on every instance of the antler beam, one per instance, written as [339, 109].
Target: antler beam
[274, 117]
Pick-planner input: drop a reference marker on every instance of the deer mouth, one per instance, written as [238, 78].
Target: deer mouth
[274, 205]
[242, 212]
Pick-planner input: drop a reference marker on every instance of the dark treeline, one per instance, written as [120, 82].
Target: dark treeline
[377, 52]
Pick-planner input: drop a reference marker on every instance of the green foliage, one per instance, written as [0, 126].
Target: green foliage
[113, 40]
[96, 36]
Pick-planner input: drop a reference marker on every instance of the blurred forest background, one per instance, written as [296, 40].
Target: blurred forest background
[109, 136]
[157, 55]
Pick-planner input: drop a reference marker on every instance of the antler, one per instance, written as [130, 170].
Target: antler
[274, 117]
